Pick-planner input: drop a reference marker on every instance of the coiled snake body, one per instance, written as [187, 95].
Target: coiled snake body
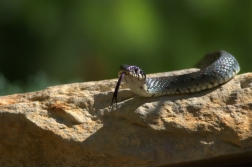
[215, 68]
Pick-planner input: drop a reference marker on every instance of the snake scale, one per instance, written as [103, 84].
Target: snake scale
[216, 68]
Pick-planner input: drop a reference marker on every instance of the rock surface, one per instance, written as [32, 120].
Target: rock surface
[74, 125]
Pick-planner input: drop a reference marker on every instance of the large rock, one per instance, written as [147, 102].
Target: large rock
[74, 125]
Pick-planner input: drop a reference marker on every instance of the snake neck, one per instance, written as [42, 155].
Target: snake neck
[152, 87]
[141, 90]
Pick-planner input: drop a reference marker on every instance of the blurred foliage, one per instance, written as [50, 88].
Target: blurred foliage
[48, 42]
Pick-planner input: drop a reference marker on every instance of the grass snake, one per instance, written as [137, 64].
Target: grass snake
[216, 68]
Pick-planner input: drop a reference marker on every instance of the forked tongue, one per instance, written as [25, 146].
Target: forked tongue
[117, 88]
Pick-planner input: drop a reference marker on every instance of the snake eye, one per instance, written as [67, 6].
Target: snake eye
[136, 70]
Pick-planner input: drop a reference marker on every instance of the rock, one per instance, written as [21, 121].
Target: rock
[74, 125]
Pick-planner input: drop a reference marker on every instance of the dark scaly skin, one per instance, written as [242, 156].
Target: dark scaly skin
[218, 68]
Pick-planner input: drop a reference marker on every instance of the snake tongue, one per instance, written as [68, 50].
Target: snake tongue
[117, 88]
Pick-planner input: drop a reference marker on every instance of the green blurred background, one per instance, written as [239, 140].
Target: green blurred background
[50, 42]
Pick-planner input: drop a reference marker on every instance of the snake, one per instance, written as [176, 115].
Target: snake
[215, 68]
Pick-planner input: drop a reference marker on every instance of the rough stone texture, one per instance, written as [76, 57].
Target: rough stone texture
[74, 125]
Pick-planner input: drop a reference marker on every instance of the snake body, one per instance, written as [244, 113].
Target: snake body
[215, 68]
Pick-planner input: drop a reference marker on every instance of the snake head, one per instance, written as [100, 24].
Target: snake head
[133, 74]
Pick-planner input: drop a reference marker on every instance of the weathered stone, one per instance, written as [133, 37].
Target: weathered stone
[74, 125]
